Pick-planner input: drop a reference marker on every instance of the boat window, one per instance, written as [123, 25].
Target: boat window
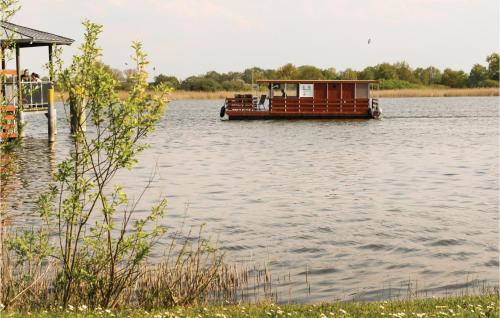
[361, 90]
[306, 90]
[292, 90]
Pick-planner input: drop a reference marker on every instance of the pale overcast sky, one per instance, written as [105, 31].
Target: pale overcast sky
[188, 37]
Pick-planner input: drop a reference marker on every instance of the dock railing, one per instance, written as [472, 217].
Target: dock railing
[34, 95]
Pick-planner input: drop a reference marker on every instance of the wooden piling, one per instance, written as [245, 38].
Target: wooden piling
[52, 116]
[76, 115]
[20, 114]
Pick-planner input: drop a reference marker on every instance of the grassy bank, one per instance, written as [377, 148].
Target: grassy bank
[410, 92]
[437, 92]
[415, 92]
[465, 306]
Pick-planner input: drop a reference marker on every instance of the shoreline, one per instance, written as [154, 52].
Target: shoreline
[410, 92]
[393, 93]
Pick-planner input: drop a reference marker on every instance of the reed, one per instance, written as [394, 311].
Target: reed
[391, 93]
[191, 272]
[437, 92]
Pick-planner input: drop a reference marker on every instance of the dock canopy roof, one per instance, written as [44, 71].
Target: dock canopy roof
[28, 37]
[315, 81]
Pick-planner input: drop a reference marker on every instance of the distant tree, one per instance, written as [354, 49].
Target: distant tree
[235, 85]
[287, 71]
[349, 74]
[171, 81]
[385, 71]
[129, 75]
[421, 76]
[368, 73]
[213, 75]
[270, 74]
[117, 74]
[435, 75]
[493, 66]
[455, 79]
[309, 72]
[330, 73]
[404, 72]
[252, 74]
[427, 76]
[195, 83]
[477, 75]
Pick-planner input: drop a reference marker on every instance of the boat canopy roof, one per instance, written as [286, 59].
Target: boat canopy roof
[278, 81]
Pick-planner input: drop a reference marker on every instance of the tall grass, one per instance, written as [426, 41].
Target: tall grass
[190, 272]
[437, 92]
[409, 92]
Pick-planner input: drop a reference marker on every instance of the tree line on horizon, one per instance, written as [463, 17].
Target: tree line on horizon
[391, 76]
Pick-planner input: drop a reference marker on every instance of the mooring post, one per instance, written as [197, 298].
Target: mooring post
[52, 116]
[4, 87]
[52, 113]
[20, 113]
[76, 115]
[73, 121]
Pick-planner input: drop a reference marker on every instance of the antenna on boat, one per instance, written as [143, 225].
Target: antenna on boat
[254, 91]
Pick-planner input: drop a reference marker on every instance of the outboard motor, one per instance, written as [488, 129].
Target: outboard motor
[222, 111]
[376, 112]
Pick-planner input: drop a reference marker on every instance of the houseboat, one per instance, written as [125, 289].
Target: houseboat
[305, 99]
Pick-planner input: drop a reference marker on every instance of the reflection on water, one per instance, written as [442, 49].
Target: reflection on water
[25, 173]
[364, 204]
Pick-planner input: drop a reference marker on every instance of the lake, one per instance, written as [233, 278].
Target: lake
[368, 208]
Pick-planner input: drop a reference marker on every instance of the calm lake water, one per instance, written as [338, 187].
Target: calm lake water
[366, 205]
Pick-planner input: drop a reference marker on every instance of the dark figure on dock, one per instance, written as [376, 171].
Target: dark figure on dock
[35, 78]
[26, 76]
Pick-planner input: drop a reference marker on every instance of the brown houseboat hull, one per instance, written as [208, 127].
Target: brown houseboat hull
[248, 115]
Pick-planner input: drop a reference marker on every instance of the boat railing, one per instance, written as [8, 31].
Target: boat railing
[295, 104]
[242, 103]
[358, 105]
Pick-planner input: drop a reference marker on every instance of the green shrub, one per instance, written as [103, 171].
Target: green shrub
[396, 84]
[195, 83]
[489, 83]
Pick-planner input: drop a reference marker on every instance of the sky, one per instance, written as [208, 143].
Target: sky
[191, 37]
